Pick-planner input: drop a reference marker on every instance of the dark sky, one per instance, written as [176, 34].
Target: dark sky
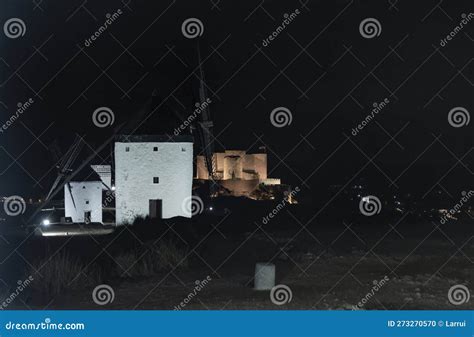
[319, 67]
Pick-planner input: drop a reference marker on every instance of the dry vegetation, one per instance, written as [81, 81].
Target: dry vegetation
[150, 259]
[60, 272]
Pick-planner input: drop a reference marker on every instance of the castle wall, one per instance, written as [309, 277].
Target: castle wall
[246, 167]
[233, 167]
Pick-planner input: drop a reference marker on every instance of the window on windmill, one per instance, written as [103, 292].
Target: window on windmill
[155, 148]
[127, 149]
[84, 187]
[87, 202]
[183, 149]
[156, 180]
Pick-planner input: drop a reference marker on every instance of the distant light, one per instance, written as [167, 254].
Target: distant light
[211, 208]
[113, 188]
[46, 222]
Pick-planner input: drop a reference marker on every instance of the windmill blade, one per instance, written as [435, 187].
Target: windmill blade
[70, 176]
[70, 193]
[66, 162]
[55, 183]
[206, 127]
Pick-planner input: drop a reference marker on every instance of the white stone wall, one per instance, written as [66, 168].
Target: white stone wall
[134, 172]
[87, 197]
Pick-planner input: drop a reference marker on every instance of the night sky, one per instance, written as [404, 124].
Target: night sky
[319, 67]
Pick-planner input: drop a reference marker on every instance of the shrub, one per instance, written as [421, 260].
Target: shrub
[170, 255]
[62, 272]
[151, 259]
[130, 264]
